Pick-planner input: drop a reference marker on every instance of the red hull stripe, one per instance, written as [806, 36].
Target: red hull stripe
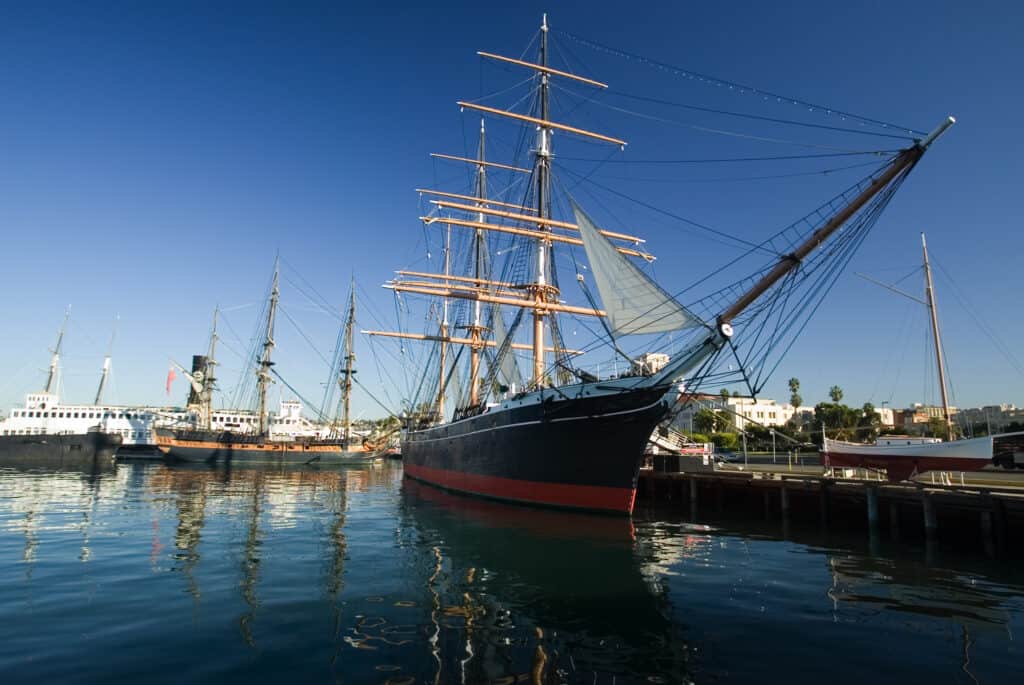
[907, 463]
[592, 497]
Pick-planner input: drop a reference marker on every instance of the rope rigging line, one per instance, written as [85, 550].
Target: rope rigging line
[724, 160]
[758, 117]
[765, 177]
[835, 266]
[719, 131]
[305, 337]
[321, 417]
[677, 217]
[985, 328]
[372, 397]
[688, 73]
[319, 300]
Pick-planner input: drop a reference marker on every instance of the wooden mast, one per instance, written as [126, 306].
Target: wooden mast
[206, 400]
[930, 293]
[543, 166]
[478, 271]
[55, 359]
[263, 373]
[349, 359]
[106, 364]
[444, 327]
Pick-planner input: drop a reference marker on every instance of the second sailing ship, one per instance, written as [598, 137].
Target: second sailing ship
[205, 444]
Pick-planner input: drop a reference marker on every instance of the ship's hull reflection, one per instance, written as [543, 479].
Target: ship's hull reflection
[525, 592]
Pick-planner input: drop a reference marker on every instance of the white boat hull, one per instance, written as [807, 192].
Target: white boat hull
[903, 461]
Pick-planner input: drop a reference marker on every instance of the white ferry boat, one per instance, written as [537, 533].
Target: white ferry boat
[43, 414]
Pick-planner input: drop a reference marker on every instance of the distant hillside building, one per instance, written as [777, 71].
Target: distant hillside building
[995, 417]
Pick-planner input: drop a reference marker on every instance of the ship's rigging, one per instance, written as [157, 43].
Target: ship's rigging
[492, 300]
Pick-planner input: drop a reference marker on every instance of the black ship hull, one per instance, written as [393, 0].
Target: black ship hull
[59, 448]
[224, 447]
[582, 453]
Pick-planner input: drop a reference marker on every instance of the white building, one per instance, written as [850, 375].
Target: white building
[886, 416]
[741, 413]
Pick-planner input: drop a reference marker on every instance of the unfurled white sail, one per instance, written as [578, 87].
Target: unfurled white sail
[633, 302]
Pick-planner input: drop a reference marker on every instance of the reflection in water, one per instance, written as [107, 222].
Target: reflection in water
[251, 561]
[913, 588]
[280, 573]
[55, 483]
[191, 506]
[523, 592]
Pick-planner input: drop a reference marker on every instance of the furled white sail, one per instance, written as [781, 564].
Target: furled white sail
[633, 302]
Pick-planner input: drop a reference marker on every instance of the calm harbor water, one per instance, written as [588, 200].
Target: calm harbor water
[147, 573]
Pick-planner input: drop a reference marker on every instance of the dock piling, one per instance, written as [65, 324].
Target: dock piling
[986, 533]
[872, 502]
[894, 521]
[931, 524]
[823, 497]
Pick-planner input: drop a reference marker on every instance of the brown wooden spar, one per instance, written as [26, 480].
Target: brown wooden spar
[484, 296]
[481, 200]
[463, 279]
[533, 220]
[540, 235]
[544, 69]
[902, 162]
[456, 340]
[543, 123]
[476, 161]
[513, 291]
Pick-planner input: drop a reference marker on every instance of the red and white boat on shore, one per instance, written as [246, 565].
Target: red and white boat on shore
[904, 456]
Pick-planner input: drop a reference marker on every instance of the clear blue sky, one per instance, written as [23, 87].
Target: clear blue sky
[156, 157]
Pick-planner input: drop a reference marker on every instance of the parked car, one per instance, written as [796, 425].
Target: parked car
[727, 456]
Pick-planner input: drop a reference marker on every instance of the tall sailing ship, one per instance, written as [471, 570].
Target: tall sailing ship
[205, 443]
[567, 438]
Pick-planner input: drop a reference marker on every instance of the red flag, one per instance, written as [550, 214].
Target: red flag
[170, 378]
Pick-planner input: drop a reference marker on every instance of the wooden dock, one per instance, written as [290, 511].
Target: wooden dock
[983, 512]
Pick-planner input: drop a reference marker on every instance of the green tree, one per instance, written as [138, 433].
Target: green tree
[724, 393]
[794, 392]
[839, 420]
[707, 421]
[836, 394]
[868, 425]
[937, 427]
[725, 441]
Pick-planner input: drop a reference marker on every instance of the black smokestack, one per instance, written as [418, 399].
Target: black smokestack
[199, 368]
